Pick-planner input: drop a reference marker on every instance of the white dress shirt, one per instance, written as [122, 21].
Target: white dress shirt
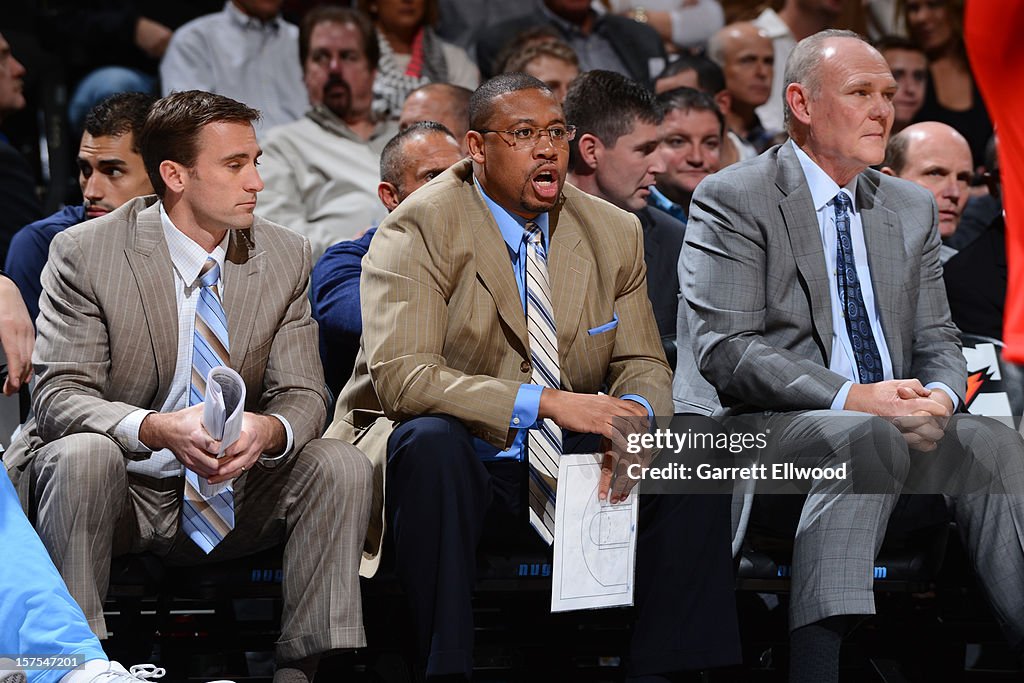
[823, 193]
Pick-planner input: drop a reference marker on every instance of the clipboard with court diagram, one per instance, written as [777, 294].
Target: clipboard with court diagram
[595, 542]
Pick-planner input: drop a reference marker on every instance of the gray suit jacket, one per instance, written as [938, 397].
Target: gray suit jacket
[756, 289]
[108, 328]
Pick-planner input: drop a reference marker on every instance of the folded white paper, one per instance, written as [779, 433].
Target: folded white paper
[222, 416]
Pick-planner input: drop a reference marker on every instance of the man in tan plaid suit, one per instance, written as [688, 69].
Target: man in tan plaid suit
[446, 355]
[100, 467]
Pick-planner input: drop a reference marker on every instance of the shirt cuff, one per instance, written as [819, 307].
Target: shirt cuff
[839, 402]
[526, 407]
[642, 401]
[127, 431]
[949, 392]
[271, 462]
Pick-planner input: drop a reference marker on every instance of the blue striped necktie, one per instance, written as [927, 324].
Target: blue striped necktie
[545, 442]
[851, 299]
[207, 521]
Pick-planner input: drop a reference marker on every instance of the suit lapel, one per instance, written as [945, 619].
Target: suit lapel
[494, 267]
[241, 291]
[569, 273]
[805, 239]
[885, 259]
[150, 262]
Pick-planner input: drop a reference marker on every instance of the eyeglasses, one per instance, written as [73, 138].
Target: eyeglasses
[528, 136]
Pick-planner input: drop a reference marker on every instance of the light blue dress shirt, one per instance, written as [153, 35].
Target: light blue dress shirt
[527, 404]
[823, 192]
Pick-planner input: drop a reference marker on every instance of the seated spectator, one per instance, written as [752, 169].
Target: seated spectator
[112, 46]
[936, 157]
[805, 238]
[414, 157]
[601, 41]
[17, 183]
[553, 62]
[976, 276]
[110, 172]
[440, 102]
[796, 20]
[909, 67]
[682, 24]
[951, 96]
[132, 320]
[477, 419]
[747, 59]
[247, 52]
[691, 141]
[412, 54]
[700, 73]
[615, 156]
[461, 22]
[321, 171]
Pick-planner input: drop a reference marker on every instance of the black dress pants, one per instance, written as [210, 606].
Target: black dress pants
[441, 498]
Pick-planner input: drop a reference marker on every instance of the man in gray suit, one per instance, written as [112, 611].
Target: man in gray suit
[133, 304]
[814, 294]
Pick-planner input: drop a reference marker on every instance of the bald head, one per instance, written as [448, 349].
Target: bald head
[936, 157]
[441, 102]
[747, 57]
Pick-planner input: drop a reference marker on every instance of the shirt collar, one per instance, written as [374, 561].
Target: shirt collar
[512, 226]
[187, 256]
[772, 24]
[823, 188]
[243, 20]
[661, 201]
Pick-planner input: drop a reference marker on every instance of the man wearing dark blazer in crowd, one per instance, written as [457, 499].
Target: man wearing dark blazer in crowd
[602, 41]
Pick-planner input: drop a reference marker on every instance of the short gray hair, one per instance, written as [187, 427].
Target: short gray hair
[804, 66]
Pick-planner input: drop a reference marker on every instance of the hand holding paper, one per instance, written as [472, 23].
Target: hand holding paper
[222, 415]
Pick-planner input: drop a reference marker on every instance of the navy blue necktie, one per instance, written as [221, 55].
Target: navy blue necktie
[865, 350]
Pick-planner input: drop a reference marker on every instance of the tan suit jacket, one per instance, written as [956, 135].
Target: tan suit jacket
[108, 329]
[444, 330]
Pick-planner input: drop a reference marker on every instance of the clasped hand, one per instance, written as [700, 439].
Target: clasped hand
[182, 433]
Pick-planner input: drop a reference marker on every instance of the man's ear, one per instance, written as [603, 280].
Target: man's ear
[388, 194]
[799, 103]
[590, 148]
[723, 98]
[475, 146]
[887, 170]
[173, 175]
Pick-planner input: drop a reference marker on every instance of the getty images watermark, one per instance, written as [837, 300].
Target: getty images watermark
[793, 453]
[668, 441]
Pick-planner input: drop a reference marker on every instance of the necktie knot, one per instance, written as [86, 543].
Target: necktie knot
[210, 274]
[843, 203]
[533, 234]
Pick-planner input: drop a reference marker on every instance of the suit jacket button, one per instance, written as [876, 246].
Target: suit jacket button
[525, 366]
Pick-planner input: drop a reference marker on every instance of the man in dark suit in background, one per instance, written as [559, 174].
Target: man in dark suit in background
[602, 41]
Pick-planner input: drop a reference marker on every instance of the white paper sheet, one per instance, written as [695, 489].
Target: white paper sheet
[595, 542]
[222, 416]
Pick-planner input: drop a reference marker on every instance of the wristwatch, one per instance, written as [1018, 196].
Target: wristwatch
[639, 14]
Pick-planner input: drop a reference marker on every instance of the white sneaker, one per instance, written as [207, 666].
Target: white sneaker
[115, 673]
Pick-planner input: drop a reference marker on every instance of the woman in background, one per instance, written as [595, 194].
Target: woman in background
[411, 53]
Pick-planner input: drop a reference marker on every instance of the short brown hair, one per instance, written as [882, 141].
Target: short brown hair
[556, 49]
[172, 128]
[332, 14]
